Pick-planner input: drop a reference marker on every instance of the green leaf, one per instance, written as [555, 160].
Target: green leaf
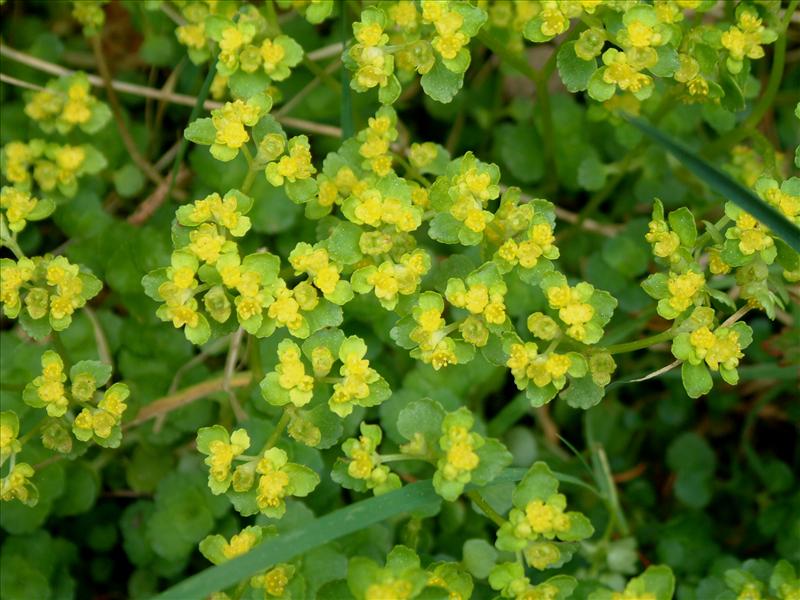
[201, 131]
[441, 84]
[723, 184]
[574, 71]
[696, 379]
[682, 222]
[317, 532]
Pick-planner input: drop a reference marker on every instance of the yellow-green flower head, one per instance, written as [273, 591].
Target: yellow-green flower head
[90, 14]
[227, 212]
[66, 103]
[103, 423]
[20, 207]
[13, 275]
[279, 479]
[390, 279]
[364, 463]
[745, 39]
[293, 166]
[624, 72]
[221, 449]
[684, 289]
[9, 430]
[459, 457]
[17, 485]
[753, 236]
[49, 386]
[357, 378]
[665, 242]
[274, 581]
[292, 374]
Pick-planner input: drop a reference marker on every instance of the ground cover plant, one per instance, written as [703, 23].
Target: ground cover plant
[436, 299]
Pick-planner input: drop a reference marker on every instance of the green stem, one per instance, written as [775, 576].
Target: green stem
[9, 240]
[491, 513]
[639, 344]
[766, 101]
[278, 431]
[250, 178]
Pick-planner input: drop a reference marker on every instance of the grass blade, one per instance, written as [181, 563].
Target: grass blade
[315, 533]
[724, 184]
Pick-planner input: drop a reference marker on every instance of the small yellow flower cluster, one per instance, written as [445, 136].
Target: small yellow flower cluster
[573, 307]
[19, 206]
[364, 462]
[229, 124]
[292, 375]
[66, 103]
[434, 347]
[684, 290]
[718, 348]
[244, 45]
[178, 291]
[449, 39]
[90, 14]
[49, 386]
[391, 279]
[221, 454]
[522, 233]
[358, 377]
[527, 364]
[51, 285]
[316, 263]
[333, 190]
[294, 165]
[289, 304]
[373, 64]
[17, 485]
[624, 70]
[376, 140]
[753, 237]
[665, 242]
[479, 299]
[460, 446]
[103, 422]
[374, 206]
[49, 165]
[274, 581]
[471, 191]
[9, 430]
[744, 39]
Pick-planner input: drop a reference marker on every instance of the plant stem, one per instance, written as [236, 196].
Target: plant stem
[103, 350]
[487, 510]
[148, 92]
[278, 431]
[172, 402]
[639, 344]
[250, 178]
[116, 109]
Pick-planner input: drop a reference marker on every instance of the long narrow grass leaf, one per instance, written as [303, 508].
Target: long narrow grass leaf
[723, 184]
[320, 531]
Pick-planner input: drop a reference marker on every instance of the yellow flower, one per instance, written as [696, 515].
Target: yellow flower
[16, 485]
[18, 204]
[206, 242]
[684, 288]
[272, 54]
[240, 543]
[546, 518]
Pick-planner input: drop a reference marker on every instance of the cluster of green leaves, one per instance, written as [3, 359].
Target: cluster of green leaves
[332, 369]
